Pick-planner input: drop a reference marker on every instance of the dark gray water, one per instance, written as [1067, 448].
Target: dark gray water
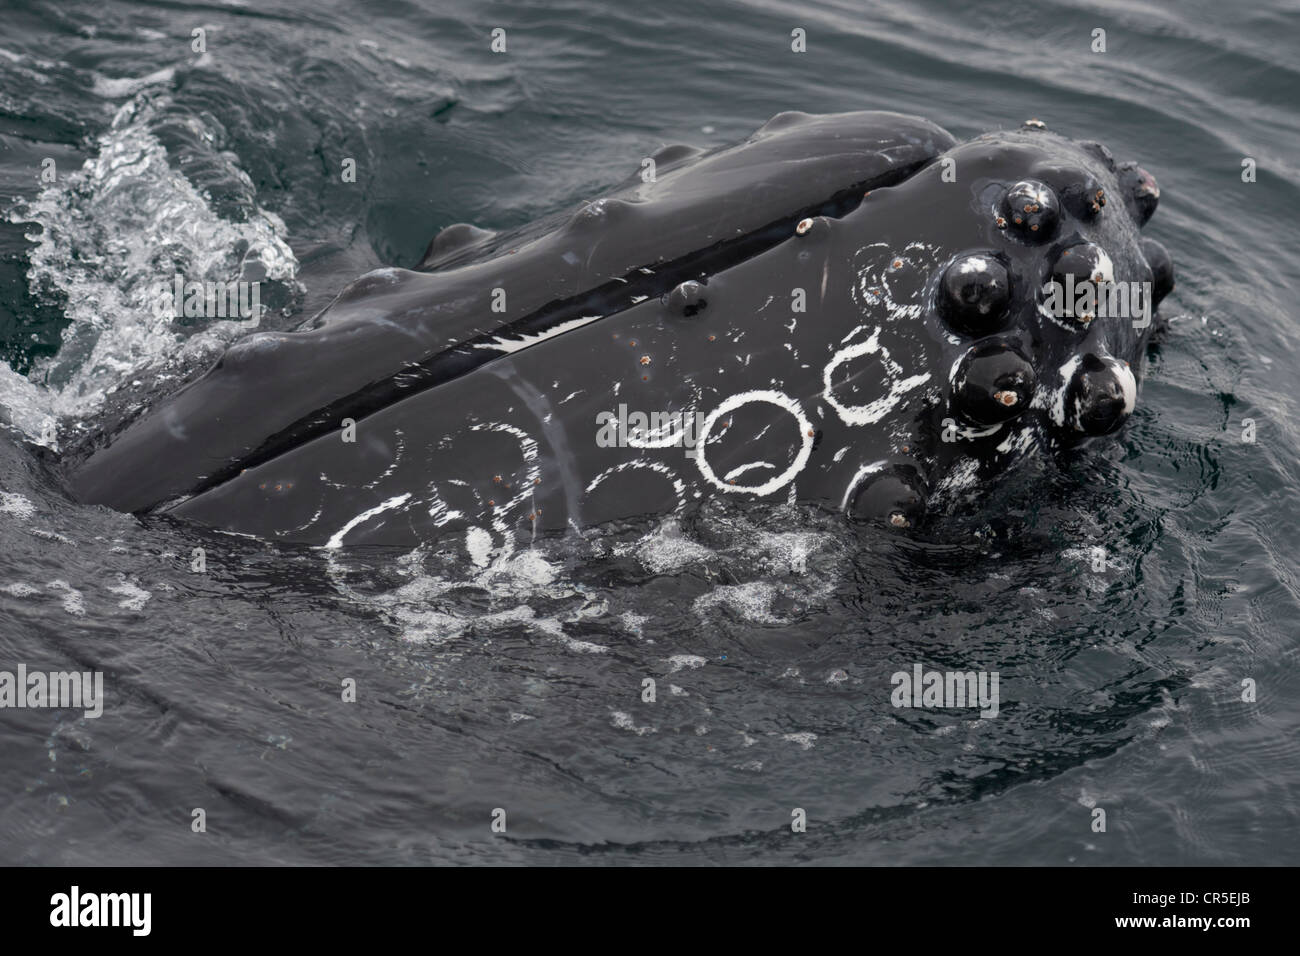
[513, 679]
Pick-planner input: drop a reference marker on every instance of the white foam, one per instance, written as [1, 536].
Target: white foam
[422, 610]
[72, 599]
[117, 87]
[624, 721]
[751, 601]
[16, 505]
[109, 233]
[133, 596]
[666, 550]
[788, 551]
[685, 661]
[478, 543]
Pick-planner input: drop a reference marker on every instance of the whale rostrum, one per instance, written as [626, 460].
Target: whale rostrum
[851, 310]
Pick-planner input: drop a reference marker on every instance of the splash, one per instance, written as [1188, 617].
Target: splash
[109, 232]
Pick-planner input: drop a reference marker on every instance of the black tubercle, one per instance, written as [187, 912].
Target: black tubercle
[1140, 191]
[1162, 270]
[893, 497]
[1076, 264]
[1095, 397]
[1080, 192]
[974, 293]
[687, 298]
[994, 382]
[1030, 211]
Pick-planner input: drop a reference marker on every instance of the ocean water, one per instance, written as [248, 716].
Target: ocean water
[495, 676]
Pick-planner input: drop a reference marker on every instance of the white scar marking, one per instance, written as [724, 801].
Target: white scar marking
[528, 451]
[737, 472]
[857, 480]
[1018, 441]
[873, 288]
[771, 397]
[1052, 400]
[874, 411]
[679, 487]
[337, 540]
[528, 340]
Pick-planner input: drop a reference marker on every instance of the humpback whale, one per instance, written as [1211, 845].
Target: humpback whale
[851, 310]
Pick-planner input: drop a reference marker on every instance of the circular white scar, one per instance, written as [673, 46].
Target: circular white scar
[873, 411]
[780, 400]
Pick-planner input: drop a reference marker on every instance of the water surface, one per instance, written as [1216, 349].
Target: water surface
[515, 681]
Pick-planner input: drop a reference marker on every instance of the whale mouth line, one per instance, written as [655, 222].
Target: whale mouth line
[611, 298]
